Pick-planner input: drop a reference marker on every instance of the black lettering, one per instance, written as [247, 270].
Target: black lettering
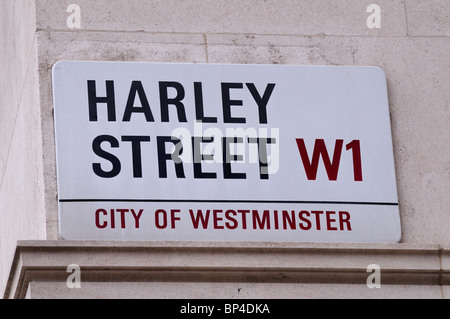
[96, 147]
[199, 111]
[136, 152]
[94, 100]
[166, 101]
[261, 101]
[136, 87]
[227, 158]
[227, 102]
[175, 156]
[262, 151]
[198, 157]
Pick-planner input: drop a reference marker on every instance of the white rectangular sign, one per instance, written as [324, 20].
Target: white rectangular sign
[161, 151]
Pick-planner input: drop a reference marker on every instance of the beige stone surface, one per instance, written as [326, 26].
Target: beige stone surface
[412, 47]
[22, 214]
[428, 18]
[276, 17]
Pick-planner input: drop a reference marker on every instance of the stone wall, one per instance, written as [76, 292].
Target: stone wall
[412, 46]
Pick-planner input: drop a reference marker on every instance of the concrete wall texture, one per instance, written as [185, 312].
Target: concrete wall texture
[412, 46]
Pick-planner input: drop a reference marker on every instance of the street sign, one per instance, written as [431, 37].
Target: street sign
[210, 152]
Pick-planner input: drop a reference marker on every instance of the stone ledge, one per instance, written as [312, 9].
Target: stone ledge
[221, 262]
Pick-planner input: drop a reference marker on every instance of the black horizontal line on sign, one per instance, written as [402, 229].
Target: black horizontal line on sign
[237, 201]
